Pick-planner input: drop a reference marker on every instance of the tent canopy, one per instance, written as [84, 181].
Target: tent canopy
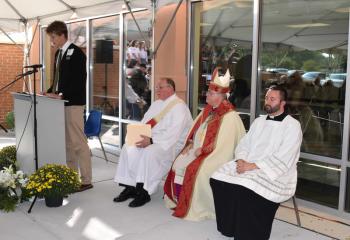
[14, 13]
[312, 25]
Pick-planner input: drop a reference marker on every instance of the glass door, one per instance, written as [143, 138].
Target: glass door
[221, 37]
[136, 71]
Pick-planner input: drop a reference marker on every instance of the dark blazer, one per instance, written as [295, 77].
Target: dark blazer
[72, 82]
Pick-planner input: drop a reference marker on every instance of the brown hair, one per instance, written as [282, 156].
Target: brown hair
[282, 91]
[57, 27]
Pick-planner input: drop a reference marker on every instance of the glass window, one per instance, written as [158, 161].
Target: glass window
[105, 82]
[222, 37]
[304, 48]
[347, 191]
[110, 133]
[137, 65]
[48, 56]
[318, 182]
[76, 35]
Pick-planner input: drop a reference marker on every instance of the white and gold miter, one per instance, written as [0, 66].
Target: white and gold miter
[220, 84]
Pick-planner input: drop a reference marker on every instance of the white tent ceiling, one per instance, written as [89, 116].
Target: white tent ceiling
[15, 12]
[235, 18]
[305, 24]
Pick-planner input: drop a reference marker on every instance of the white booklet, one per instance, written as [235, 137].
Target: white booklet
[134, 132]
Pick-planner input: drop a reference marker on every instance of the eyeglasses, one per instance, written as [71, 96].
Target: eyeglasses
[161, 87]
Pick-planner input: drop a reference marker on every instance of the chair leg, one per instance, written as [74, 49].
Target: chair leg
[103, 149]
[296, 210]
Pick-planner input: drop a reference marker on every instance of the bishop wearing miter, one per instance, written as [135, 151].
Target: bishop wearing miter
[210, 143]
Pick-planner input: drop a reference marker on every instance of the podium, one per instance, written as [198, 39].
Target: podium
[50, 131]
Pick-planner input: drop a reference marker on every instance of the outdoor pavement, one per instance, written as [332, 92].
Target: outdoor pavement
[92, 215]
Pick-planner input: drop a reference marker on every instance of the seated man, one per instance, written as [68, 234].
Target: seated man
[248, 190]
[210, 143]
[142, 167]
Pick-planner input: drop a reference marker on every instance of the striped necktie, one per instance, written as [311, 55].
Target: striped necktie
[57, 72]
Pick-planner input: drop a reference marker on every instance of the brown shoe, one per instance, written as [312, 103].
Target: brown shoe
[84, 187]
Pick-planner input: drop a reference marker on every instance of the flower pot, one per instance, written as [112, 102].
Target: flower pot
[53, 201]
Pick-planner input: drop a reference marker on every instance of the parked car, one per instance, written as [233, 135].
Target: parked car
[290, 72]
[311, 76]
[277, 70]
[337, 79]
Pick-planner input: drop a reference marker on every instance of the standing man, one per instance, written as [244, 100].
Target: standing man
[247, 191]
[70, 84]
[210, 143]
[142, 167]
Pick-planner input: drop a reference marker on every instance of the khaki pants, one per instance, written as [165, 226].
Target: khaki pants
[77, 149]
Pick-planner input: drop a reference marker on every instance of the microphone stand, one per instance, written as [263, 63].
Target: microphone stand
[35, 69]
[3, 128]
[18, 77]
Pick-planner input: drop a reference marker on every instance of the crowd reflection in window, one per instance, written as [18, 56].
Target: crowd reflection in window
[317, 102]
[138, 75]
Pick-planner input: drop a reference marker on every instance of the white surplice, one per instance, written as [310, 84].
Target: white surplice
[149, 165]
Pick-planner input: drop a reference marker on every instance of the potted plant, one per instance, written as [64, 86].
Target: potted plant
[8, 157]
[10, 120]
[10, 183]
[53, 182]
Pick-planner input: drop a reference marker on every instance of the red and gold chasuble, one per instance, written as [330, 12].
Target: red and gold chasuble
[184, 201]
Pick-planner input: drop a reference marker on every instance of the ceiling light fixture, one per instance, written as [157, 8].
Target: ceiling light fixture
[343, 10]
[308, 25]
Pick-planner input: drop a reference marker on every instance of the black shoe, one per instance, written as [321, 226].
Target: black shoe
[140, 200]
[128, 192]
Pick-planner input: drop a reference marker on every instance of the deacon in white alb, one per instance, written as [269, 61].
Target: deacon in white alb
[142, 167]
[248, 190]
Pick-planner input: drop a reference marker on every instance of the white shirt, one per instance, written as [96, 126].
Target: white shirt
[143, 54]
[65, 47]
[133, 52]
[274, 146]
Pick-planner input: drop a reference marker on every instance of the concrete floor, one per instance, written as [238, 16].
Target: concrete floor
[93, 215]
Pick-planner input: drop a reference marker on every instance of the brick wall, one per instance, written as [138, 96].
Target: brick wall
[11, 61]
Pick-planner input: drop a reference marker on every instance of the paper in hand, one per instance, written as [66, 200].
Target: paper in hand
[134, 132]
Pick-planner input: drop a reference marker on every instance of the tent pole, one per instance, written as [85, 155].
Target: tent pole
[9, 37]
[132, 14]
[26, 55]
[151, 84]
[36, 28]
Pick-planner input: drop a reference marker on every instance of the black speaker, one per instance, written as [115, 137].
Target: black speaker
[104, 51]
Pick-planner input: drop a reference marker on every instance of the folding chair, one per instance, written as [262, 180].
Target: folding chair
[296, 210]
[92, 127]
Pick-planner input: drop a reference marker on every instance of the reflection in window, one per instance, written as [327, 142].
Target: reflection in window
[318, 182]
[138, 66]
[105, 45]
[223, 38]
[110, 133]
[307, 54]
[77, 34]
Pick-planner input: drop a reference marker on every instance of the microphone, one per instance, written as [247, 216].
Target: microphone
[27, 73]
[34, 66]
